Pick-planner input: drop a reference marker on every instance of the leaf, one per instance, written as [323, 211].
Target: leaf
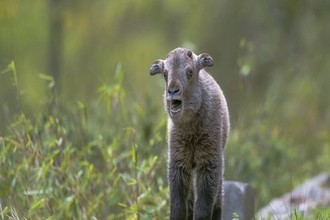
[3, 211]
[46, 77]
[133, 153]
[123, 205]
[37, 204]
[132, 181]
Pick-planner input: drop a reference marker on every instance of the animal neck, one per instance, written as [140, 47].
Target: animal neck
[190, 123]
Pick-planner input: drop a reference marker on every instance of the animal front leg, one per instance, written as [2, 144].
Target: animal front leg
[207, 188]
[179, 182]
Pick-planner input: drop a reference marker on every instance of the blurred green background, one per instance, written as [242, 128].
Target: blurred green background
[76, 98]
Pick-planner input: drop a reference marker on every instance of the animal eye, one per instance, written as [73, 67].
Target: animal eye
[165, 75]
[189, 73]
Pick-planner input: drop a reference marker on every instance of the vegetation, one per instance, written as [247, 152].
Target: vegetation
[71, 164]
[85, 137]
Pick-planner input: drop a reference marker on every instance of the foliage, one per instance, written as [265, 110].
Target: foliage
[321, 214]
[85, 163]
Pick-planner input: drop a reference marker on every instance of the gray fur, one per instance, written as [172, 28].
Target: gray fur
[198, 127]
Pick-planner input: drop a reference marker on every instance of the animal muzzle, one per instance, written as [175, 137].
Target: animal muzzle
[174, 105]
[174, 99]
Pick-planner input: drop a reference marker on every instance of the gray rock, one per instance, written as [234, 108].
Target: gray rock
[312, 194]
[239, 201]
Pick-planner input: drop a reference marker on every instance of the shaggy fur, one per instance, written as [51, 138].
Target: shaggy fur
[198, 127]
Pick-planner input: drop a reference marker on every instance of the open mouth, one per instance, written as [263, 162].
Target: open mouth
[175, 106]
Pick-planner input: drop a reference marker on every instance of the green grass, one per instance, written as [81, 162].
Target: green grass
[88, 161]
[47, 173]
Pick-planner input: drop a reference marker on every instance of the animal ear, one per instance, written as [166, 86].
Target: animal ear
[204, 60]
[157, 67]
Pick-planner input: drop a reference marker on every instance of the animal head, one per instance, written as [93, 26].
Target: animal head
[181, 74]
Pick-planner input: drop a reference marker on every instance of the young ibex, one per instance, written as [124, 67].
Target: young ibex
[198, 128]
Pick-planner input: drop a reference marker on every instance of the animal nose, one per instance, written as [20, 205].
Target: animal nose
[173, 91]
